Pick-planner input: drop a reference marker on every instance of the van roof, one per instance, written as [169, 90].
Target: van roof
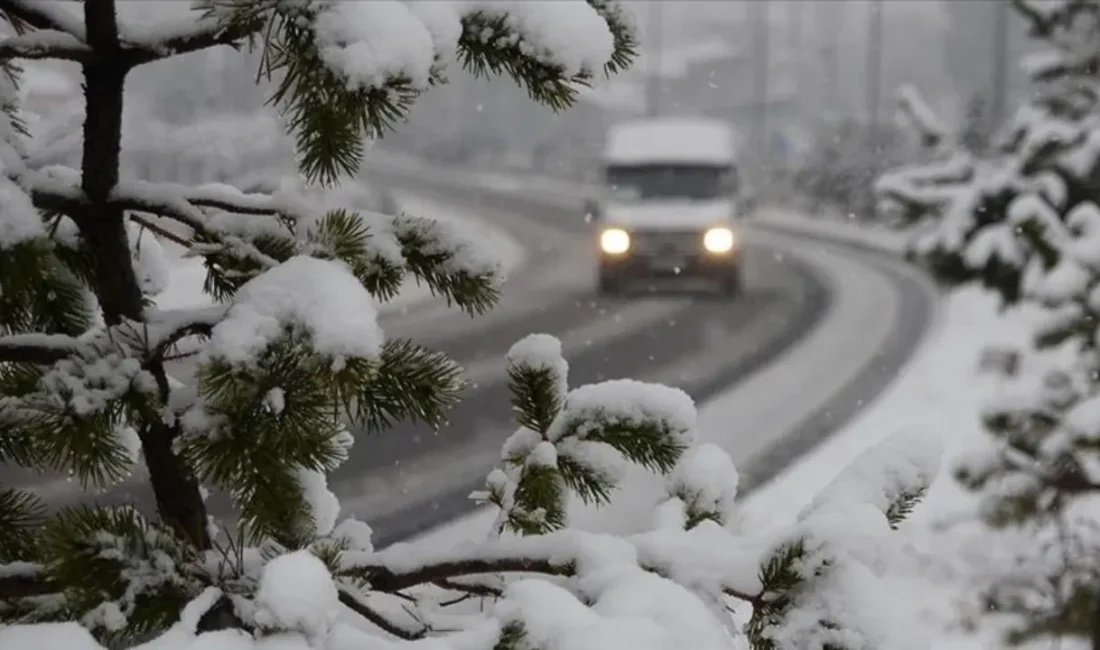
[670, 140]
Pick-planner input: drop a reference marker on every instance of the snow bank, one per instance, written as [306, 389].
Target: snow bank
[936, 398]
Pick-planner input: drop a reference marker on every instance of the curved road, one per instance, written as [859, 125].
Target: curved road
[410, 479]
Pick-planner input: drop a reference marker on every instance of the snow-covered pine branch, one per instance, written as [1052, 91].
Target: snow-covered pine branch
[921, 116]
[45, 44]
[1023, 220]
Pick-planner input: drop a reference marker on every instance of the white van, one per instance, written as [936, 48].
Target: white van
[669, 204]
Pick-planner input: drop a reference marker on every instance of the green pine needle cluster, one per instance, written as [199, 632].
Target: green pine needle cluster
[425, 255]
[331, 119]
[797, 568]
[900, 509]
[562, 448]
[780, 580]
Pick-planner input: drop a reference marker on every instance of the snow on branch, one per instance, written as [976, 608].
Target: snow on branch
[48, 31]
[578, 440]
[36, 348]
[148, 43]
[57, 189]
[24, 14]
[891, 477]
[46, 44]
[921, 116]
[567, 553]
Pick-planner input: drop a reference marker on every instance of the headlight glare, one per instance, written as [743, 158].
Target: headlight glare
[614, 241]
[719, 240]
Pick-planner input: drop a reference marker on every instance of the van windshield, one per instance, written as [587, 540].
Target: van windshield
[693, 182]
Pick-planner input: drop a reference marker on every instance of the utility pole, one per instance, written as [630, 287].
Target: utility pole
[795, 17]
[653, 67]
[1000, 63]
[827, 17]
[795, 54]
[874, 60]
[758, 23]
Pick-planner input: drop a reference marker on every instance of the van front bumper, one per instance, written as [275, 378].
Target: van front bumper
[701, 264]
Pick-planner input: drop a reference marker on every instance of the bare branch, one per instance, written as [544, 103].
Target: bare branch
[156, 228]
[383, 623]
[189, 322]
[1041, 23]
[46, 44]
[42, 349]
[382, 578]
[470, 588]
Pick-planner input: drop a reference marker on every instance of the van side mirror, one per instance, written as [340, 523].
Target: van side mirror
[591, 211]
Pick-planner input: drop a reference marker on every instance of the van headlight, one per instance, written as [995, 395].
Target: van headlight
[614, 241]
[719, 240]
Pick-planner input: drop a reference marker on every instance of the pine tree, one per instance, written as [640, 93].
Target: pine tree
[292, 366]
[1021, 218]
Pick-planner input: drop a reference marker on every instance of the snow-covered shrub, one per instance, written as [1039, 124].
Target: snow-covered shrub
[842, 163]
[1022, 218]
[291, 360]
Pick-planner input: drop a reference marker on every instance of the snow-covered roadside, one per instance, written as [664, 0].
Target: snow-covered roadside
[880, 238]
[185, 280]
[947, 549]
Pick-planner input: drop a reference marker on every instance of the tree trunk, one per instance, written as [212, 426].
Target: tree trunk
[103, 229]
[1095, 636]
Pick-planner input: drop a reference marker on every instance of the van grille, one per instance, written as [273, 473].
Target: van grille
[680, 242]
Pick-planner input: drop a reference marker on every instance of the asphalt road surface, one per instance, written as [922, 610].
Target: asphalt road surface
[409, 479]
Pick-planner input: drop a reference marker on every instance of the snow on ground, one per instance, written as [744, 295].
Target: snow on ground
[184, 287]
[939, 395]
[880, 238]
